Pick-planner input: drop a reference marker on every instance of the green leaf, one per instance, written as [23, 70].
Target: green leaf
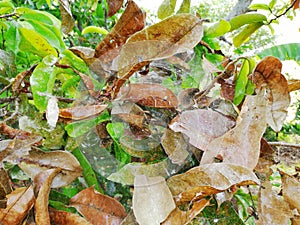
[31, 41]
[259, 6]
[79, 128]
[185, 6]
[73, 60]
[42, 82]
[243, 19]
[218, 29]
[283, 52]
[246, 33]
[241, 82]
[94, 29]
[6, 7]
[166, 9]
[272, 4]
[87, 171]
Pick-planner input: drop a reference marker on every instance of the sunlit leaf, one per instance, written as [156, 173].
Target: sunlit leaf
[246, 33]
[19, 202]
[94, 29]
[209, 179]
[166, 8]
[185, 6]
[114, 6]
[260, 6]
[241, 144]
[283, 52]
[98, 208]
[218, 29]
[243, 19]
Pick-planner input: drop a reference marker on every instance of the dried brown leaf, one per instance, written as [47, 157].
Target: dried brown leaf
[58, 217]
[152, 200]
[201, 126]
[266, 157]
[5, 187]
[12, 132]
[267, 74]
[43, 182]
[98, 208]
[19, 202]
[294, 85]
[114, 6]
[81, 112]
[146, 94]
[209, 179]
[241, 145]
[67, 21]
[179, 217]
[37, 161]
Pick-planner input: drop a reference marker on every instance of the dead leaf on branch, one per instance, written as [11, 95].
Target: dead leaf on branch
[114, 6]
[67, 21]
[81, 112]
[201, 126]
[241, 144]
[19, 202]
[267, 74]
[209, 179]
[43, 182]
[98, 208]
[152, 200]
[37, 161]
[59, 217]
[5, 187]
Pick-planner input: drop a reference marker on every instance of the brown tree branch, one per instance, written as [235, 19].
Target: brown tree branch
[282, 14]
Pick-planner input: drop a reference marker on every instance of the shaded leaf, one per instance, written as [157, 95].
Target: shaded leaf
[241, 82]
[152, 200]
[38, 161]
[146, 94]
[19, 202]
[67, 21]
[114, 6]
[175, 34]
[98, 208]
[81, 112]
[43, 182]
[58, 217]
[268, 74]
[239, 39]
[209, 179]
[241, 144]
[179, 217]
[166, 8]
[5, 187]
[201, 126]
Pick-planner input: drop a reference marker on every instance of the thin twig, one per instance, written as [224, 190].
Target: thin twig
[285, 11]
[8, 99]
[8, 15]
[15, 113]
[5, 88]
[284, 144]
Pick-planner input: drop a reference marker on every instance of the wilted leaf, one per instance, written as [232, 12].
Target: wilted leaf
[20, 77]
[175, 146]
[146, 94]
[241, 144]
[266, 157]
[131, 21]
[98, 208]
[166, 8]
[19, 202]
[268, 74]
[81, 112]
[5, 187]
[37, 161]
[175, 34]
[152, 200]
[67, 21]
[114, 6]
[43, 182]
[290, 190]
[201, 126]
[12, 132]
[179, 217]
[296, 4]
[209, 179]
[58, 217]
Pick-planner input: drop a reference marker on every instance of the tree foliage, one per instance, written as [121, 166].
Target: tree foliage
[93, 103]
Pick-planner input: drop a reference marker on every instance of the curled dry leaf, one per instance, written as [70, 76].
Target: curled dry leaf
[81, 112]
[146, 94]
[290, 190]
[98, 208]
[37, 161]
[12, 132]
[43, 183]
[241, 145]
[58, 217]
[114, 6]
[66, 16]
[179, 217]
[175, 34]
[152, 200]
[201, 126]
[19, 202]
[131, 21]
[209, 179]
[267, 74]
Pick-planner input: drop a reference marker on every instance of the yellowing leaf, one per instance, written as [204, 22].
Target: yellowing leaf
[36, 43]
[152, 200]
[166, 8]
[241, 145]
[19, 202]
[209, 179]
[94, 29]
